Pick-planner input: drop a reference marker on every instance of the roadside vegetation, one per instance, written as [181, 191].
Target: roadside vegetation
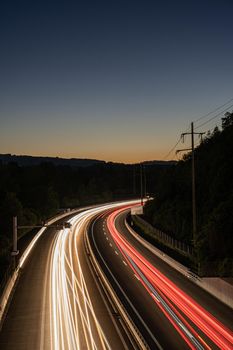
[37, 192]
[171, 210]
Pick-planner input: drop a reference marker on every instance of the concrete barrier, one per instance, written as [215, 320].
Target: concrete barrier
[220, 288]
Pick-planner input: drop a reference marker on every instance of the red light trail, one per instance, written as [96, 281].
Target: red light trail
[171, 300]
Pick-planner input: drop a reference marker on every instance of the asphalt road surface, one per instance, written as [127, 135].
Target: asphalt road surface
[61, 302]
[170, 311]
[57, 303]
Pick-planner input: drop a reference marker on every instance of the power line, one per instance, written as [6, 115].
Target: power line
[206, 122]
[213, 125]
[216, 125]
[213, 111]
[214, 117]
[168, 154]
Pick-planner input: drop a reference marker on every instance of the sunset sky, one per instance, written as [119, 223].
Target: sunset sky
[111, 80]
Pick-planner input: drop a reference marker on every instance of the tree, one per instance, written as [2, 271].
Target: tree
[11, 206]
[227, 120]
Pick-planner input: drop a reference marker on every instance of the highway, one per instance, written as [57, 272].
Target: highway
[170, 311]
[57, 303]
[94, 286]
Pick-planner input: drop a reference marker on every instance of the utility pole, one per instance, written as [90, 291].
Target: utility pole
[134, 179]
[15, 238]
[144, 173]
[194, 208]
[141, 182]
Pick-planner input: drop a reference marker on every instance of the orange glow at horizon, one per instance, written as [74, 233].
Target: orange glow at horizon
[127, 157]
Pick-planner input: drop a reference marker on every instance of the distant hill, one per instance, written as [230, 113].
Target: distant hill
[25, 160]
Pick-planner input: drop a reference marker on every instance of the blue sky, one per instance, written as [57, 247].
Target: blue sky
[110, 80]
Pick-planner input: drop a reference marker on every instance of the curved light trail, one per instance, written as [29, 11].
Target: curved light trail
[171, 300]
[73, 322]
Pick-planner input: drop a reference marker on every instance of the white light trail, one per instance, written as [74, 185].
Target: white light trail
[73, 322]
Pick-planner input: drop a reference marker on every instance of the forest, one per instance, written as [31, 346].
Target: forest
[171, 209]
[36, 189]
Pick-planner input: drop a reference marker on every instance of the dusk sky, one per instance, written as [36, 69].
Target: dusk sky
[114, 80]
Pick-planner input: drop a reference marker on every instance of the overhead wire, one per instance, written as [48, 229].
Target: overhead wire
[213, 111]
[204, 123]
[214, 117]
[173, 148]
[216, 126]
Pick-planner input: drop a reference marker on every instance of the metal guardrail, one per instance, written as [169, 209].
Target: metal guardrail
[164, 238]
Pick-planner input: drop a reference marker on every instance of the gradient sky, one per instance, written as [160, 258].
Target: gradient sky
[114, 80]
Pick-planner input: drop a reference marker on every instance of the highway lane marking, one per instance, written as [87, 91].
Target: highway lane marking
[122, 291]
[152, 294]
[137, 277]
[124, 262]
[107, 238]
[104, 233]
[110, 244]
[116, 252]
[186, 330]
[209, 348]
[166, 306]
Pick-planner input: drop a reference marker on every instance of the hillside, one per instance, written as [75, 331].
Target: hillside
[171, 209]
